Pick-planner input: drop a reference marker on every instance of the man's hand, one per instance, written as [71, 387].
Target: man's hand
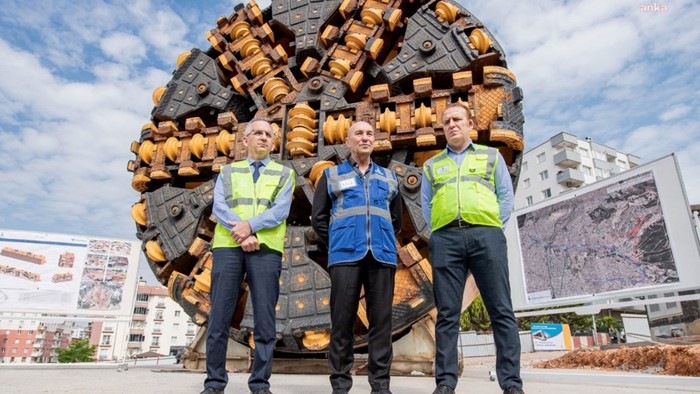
[240, 230]
[250, 244]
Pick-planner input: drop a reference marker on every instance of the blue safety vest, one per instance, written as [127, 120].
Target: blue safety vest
[360, 215]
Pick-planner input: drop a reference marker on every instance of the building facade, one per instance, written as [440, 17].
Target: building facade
[25, 338]
[158, 324]
[565, 162]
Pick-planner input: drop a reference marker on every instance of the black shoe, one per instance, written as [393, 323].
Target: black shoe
[442, 389]
[209, 390]
[263, 390]
[382, 391]
[513, 390]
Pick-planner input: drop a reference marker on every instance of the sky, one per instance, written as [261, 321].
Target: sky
[76, 80]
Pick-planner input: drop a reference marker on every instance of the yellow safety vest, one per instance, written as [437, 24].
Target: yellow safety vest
[248, 199]
[468, 190]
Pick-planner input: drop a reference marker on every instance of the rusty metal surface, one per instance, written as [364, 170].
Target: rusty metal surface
[311, 67]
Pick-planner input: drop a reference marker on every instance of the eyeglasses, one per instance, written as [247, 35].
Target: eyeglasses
[260, 133]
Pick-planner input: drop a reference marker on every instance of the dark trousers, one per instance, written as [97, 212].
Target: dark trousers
[454, 252]
[263, 272]
[346, 282]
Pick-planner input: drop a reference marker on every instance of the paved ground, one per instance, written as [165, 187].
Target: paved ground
[164, 379]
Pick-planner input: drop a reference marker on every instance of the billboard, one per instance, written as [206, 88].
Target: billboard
[546, 336]
[67, 274]
[627, 235]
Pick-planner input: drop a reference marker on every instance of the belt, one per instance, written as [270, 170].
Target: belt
[460, 223]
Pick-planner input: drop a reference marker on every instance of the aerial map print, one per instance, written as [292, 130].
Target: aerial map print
[609, 239]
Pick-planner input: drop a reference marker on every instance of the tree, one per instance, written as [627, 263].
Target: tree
[475, 317]
[78, 351]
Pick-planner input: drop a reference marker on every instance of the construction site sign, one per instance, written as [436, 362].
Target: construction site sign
[67, 274]
[627, 235]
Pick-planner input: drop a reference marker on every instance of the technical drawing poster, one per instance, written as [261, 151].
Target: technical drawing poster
[67, 274]
[612, 238]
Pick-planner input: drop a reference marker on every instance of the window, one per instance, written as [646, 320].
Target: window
[155, 341]
[106, 339]
[587, 170]
[190, 328]
[156, 327]
[177, 313]
[159, 315]
[584, 152]
[176, 326]
[16, 341]
[622, 163]
[188, 341]
[2, 350]
[529, 200]
[4, 340]
[546, 193]
[28, 341]
[136, 338]
[173, 340]
[524, 166]
[540, 158]
[140, 310]
[544, 175]
[142, 297]
[526, 183]
[26, 351]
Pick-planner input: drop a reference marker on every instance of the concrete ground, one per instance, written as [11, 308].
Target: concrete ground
[162, 379]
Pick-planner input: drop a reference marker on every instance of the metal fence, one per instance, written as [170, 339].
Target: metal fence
[471, 344]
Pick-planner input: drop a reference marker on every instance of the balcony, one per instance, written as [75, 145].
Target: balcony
[136, 331]
[564, 140]
[571, 177]
[141, 304]
[134, 345]
[136, 317]
[633, 160]
[567, 158]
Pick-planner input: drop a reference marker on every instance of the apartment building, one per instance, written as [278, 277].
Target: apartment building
[158, 324]
[24, 338]
[565, 162]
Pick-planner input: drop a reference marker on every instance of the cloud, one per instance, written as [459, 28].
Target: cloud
[123, 48]
[675, 112]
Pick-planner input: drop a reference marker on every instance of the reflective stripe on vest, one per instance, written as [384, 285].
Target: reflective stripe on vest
[238, 198]
[473, 198]
[360, 219]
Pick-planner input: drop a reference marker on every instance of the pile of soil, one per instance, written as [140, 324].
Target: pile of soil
[663, 360]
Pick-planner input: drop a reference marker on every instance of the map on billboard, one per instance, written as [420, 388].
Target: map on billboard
[609, 239]
[68, 274]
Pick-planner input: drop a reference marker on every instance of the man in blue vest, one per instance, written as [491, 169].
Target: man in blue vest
[357, 212]
[252, 198]
[467, 198]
